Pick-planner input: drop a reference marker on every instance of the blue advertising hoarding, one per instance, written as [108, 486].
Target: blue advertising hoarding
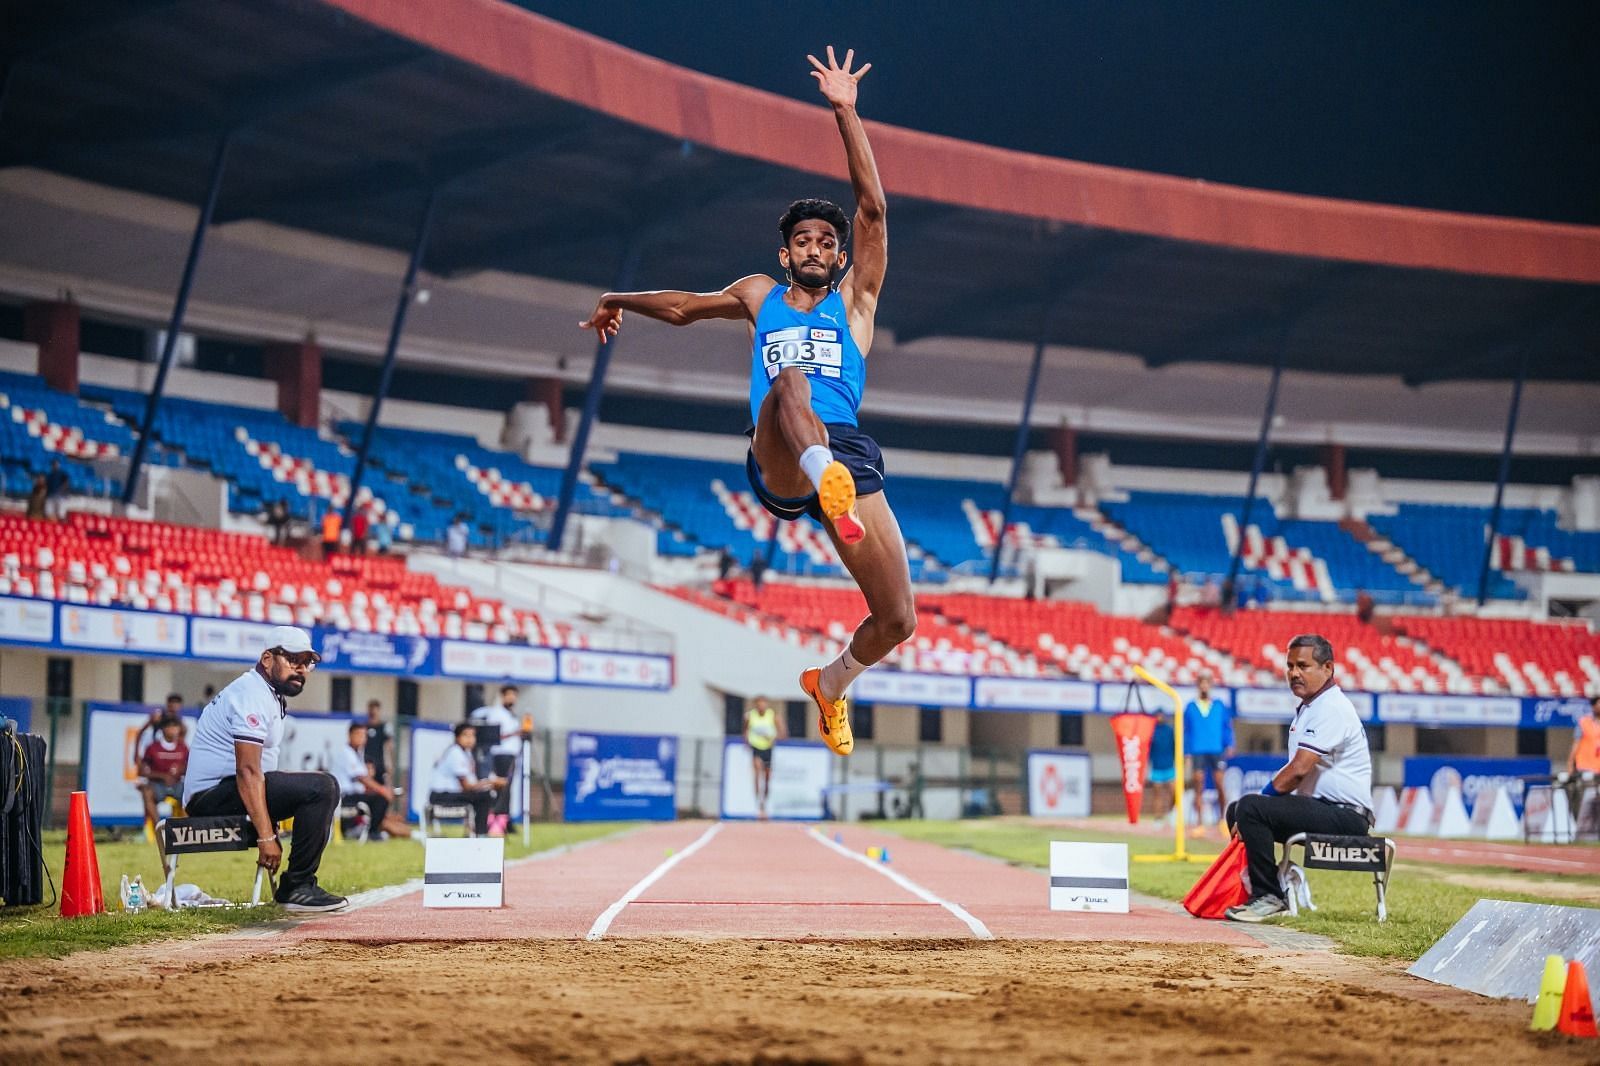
[1474, 776]
[612, 778]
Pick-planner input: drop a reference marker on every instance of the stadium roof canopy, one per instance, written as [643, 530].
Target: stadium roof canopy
[550, 151]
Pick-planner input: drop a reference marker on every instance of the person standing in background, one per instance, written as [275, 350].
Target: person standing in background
[1163, 767]
[763, 728]
[503, 753]
[1208, 743]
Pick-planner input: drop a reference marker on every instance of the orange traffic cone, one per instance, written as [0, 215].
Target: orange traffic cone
[1577, 1010]
[80, 881]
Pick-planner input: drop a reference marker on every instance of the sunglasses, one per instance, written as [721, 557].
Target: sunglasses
[307, 660]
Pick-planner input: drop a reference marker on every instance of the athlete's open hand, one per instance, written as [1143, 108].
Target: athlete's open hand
[838, 82]
[605, 321]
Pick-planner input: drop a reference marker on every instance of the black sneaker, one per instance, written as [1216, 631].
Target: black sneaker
[311, 899]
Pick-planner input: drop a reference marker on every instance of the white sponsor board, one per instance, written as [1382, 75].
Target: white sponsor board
[497, 662]
[110, 771]
[918, 690]
[219, 638]
[310, 741]
[109, 629]
[616, 669]
[1088, 877]
[1449, 710]
[1278, 704]
[33, 621]
[1114, 699]
[1058, 784]
[799, 774]
[1031, 694]
[457, 872]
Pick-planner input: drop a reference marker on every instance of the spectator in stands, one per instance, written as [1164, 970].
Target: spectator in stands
[763, 728]
[36, 498]
[1208, 742]
[357, 783]
[331, 524]
[383, 535]
[278, 521]
[55, 492]
[455, 537]
[725, 563]
[504, 750]
[162, 766]
[455, 781]
[233, 768]
[1365, 606]
[758, 569]
[360, 527]
[1326, 786]
[1585, 753]
[1163, 767]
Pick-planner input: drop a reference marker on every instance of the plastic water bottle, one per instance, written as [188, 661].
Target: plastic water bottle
[134, 897]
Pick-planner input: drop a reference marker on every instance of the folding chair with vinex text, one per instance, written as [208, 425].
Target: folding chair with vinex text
[184, 836]
[1329, 851]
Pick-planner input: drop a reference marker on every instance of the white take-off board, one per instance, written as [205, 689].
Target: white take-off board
[1088, 877]
[460, 872]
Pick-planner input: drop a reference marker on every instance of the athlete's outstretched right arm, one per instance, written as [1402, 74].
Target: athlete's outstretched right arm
[738, 301]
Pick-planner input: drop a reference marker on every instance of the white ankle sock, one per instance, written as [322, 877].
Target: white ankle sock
[814, 460]
[837, 675]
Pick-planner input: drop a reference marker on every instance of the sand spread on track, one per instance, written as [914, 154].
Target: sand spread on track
[742, 1001]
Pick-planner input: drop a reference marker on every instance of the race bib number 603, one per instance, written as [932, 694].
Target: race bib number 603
[816, 351]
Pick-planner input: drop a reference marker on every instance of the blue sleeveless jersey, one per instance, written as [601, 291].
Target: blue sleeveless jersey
[819, 344]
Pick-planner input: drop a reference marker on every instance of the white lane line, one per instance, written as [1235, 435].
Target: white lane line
[609, 915]
[979, 930]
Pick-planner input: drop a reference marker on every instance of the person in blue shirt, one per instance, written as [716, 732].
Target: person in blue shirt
[1163, 767]
[809, 342]
[1207, 740]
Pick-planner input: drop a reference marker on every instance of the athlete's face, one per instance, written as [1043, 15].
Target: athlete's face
[812, 257]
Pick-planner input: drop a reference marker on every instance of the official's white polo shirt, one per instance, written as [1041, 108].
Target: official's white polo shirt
[350, 766]
[247, 711]
[1330, 726]
[450, 769]
[497, 714]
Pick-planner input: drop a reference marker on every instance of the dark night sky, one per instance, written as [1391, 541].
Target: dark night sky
[1486, 108]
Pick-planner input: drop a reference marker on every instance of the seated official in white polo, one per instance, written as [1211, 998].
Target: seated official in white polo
[1325, 788]
[233, 768]
[455, 781]
[358, 780]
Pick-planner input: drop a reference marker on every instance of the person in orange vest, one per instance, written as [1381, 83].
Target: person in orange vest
[330, 531]
[1585, 753]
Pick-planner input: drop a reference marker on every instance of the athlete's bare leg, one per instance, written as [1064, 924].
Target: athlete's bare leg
[878, 563]
[787, 433]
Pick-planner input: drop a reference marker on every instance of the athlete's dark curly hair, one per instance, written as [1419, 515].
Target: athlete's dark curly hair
[826, 210]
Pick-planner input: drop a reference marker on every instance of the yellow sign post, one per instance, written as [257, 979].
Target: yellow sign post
[1180, 851]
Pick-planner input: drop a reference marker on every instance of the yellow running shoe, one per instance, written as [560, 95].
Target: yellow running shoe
[837, 498]
[832, 718]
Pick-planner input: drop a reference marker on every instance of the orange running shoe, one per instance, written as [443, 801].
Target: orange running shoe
[832, 718]
[837, 498]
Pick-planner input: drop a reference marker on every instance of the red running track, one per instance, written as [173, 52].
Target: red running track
[764, 881]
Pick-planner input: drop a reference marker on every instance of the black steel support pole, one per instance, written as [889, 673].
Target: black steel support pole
[402, 306]
[1256, 466]
[1019, 452]
[1500, 480]
[591, 404]
[169, 347]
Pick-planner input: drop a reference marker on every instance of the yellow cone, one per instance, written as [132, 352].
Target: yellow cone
[1548, 1006]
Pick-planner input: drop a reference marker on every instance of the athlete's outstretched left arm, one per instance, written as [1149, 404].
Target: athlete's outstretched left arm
[869, 241]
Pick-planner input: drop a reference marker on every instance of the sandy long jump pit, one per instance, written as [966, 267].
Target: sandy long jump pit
[764, 944]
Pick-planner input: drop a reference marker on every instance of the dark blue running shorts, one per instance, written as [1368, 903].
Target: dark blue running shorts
[857, 451]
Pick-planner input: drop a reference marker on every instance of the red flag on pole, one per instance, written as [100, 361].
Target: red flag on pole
[1133, 747]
